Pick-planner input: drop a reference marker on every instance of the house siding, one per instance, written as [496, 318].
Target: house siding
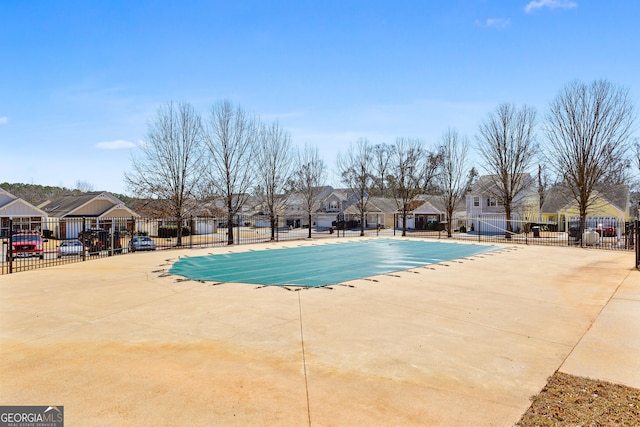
[95, 207]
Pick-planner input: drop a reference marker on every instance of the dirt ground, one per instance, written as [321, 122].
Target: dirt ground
[568, 400]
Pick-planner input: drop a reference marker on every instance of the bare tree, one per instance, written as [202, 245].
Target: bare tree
[355, 169]
[274, 166]
[635, 164]
[506, 143]
[84, 186]
[382, 155]
[412, 168]
[635, 160]
[308, 178]
[588, 128]
[543, 184]
[636, 155]
[170, 165]
[230, 138]
[453, 172]
[472, 178]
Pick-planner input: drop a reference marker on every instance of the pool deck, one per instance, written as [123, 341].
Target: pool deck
[116, 341]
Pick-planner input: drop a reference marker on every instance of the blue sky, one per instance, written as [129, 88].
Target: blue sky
[79, 80]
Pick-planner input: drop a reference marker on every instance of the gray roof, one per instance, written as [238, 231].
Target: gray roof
[436, 201]
[383, 204]
[559, 196]
[325, 192]
[375, 204]
[486, 182]
[296, 198]
[65, 205]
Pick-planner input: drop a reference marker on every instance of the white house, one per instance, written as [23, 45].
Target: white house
[485, 210]
[427, 210]
[22, 214]
[331, 206]
[295, 209]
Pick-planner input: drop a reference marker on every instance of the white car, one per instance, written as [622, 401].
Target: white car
[70, 248]
[142, 243]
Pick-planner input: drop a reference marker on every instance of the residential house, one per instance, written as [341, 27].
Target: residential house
[380, 213]
[485, 211]
[608, 205]
[295, 208]
[201, 217]
[337, 204]
[424, 212]
[69, 215]
[333, 208]
[260, 210]
[22, 214]
[341, 204]
[429, 213]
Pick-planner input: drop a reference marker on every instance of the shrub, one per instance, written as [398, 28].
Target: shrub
[172, 231]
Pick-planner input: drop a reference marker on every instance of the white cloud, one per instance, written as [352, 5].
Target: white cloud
[115, 145]
[4, 120]
[497, 22]
[551, 4]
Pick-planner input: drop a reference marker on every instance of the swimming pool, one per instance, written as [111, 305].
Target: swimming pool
[323, 264]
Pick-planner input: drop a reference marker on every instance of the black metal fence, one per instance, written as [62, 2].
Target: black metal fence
[597, 233]
[68, 240]
[57, 241]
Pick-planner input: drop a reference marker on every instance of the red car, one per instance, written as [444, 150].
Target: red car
[27, 245]
[606, 231]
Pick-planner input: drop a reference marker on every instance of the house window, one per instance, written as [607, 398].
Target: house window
[493, 202]
[333, 204]
[476, 201]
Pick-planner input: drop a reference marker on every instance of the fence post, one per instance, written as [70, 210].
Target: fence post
[479, 234]
[10, 247]
[237, 228]
[84, 238]
[133, 233]
[191, 227]
[637, 231]
[111, 242]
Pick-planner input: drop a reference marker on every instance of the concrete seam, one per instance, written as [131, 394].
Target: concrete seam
[304, 360]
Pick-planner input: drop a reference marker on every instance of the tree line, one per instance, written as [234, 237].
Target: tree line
[36, 193]
[230, 153]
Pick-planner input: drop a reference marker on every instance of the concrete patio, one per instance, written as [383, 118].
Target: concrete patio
[117, 341]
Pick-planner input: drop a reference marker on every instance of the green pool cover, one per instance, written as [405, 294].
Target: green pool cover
[321, 265]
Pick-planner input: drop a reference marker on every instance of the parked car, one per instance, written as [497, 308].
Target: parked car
[97, 240]
[142, 243]
[606, 230]
[70, 248]
[27, 245]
